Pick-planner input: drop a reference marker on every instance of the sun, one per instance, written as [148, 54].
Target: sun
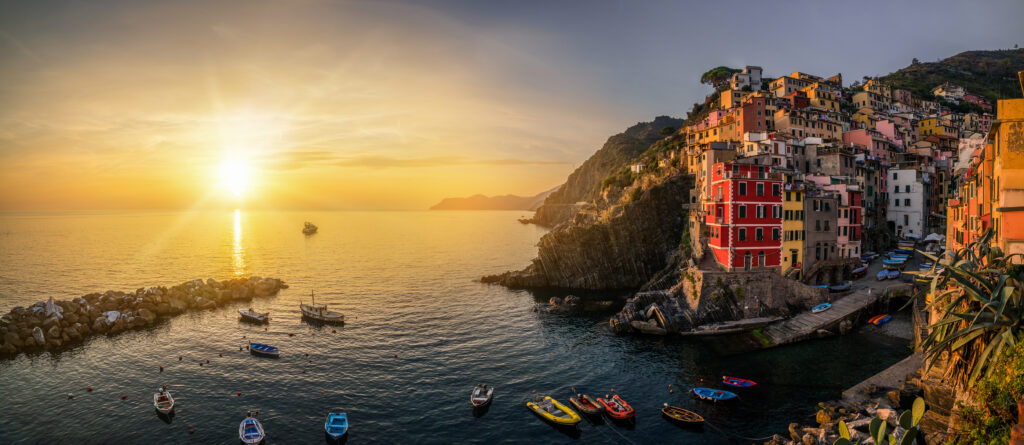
[234, 175]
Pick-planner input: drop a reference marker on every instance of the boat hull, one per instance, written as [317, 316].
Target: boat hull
[586, 405]
[250, 431]
[737, 382]
[682, 417]
[713, 395]
[336, 425]
[163, 406]
[570, 418]
[480, 399]
[616, 408]
[264, 350]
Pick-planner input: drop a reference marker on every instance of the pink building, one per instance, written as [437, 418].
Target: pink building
[888, 129]
[876, 143]
[849, 216]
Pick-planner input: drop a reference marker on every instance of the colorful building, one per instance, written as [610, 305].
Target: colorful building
[744, 216]
[793, 234]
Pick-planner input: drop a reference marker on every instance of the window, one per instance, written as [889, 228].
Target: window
[817, 225]
[798, 198]
[760, 259]
[760, 211]
[907, 188]
[743, 211]
[743, 189]
[906, 203]
[776, 190]
[759, 234]
[775, 234]
[815, 205]
[788, 196]
[894, 176]
[743, 234]
[826, 226]
[760, 189]
[896, 203]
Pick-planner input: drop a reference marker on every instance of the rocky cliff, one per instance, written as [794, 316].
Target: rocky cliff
[584, 184]
[622, 240]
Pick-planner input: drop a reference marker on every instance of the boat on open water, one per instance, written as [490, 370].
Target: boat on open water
[616, 408]
[586, 404]
[265, 350]
[714, 395]
[253, 316]
[551, 410]
[737, 382]
[318, 312]
[163, 401]
[309, 228]
[481, 395]
[250, 431]
[336, 424]
[681, 416]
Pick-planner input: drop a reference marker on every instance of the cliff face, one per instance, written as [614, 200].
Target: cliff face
[620, 247]
[584, 184]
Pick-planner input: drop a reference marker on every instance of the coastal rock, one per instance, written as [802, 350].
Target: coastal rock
[12, 338]
[822, 417]
[99, 325]
[147, 315]
[646, 327]
[554, 301]
[72, 332]
[37, 334]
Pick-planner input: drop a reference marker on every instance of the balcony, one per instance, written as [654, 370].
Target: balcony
[752, 175]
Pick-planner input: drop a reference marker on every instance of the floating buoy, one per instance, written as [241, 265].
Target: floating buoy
[333, 331]
[207, 361]
[89, 389]
[191, 431]
[309, 361]
[179, 358]
[264, 329]
[307, 354]
[220, 354]
[123, 396]
[200, 363]
[671, 391]
[534, 391]
[290, 334]
[71, 396]
[161, 368]
[396, 355]
[239, 392]
[613, 389]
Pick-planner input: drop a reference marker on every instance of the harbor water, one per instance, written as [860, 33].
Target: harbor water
[420, 332]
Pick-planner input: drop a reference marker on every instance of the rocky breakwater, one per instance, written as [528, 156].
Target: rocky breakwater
[618, 245]
[703, 296]
[53, 325]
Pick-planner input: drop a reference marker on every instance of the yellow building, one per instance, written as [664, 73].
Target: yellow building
[875, 101]
[820, 96]
[792, 227]
[866, 117]
[879, 88]
[732, 98]
[936, 126]
[1007, 139]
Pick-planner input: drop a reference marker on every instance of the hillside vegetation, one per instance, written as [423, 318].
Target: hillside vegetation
[992, 74]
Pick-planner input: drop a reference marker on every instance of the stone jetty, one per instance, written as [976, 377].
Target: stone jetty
[52, 325]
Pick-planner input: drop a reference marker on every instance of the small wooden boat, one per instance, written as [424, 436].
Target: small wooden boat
[737, 382]
[163, 401]
[821, 307]
[336, 424]
[714, 395]
[309, 228]
[585, 404]
[879, 320]
[841, 287]
[253, 316]
[251, 430]
[481, 396]
[882, 275]
[319, 312]
[893, 264]
[893, 274]
[551, 410]
[681, 416]
[616, 408]
[267, 350]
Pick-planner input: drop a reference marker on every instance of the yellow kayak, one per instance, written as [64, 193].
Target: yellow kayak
[554, 412]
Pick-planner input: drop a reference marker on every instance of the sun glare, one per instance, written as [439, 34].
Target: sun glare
[234, 175]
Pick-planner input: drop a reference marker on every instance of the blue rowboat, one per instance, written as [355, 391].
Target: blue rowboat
[823, 286]
[737, 382]
[336, 424]
[821, 307]
[250, 431]
[714, 395]
[267, 350]
[894, 263]
[882, 274]
[859, 272]
[907, 252]
[894, 274]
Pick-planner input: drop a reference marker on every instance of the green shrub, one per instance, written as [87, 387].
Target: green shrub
[995, 397]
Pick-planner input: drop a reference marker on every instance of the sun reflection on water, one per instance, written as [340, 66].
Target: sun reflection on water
[238, 252]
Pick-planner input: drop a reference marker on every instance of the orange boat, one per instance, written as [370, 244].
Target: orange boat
[584, 403]
[616, 407]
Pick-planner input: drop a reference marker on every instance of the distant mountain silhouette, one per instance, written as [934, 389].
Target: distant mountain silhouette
[504, 202]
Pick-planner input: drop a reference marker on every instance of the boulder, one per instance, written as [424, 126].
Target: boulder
[794, 432]
[573, 300]
[147, 315]
[823, 417]
[54, 332]
[555, 301]
[886, 414]
[30, 343]
[37, 334]
[72, 332]
[71, 318]
[100, 325]
[647, 327]
[13, 338]
[163, 309]
[51, 321]
[8, 349]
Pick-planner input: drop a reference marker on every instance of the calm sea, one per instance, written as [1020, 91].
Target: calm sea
[406, 283]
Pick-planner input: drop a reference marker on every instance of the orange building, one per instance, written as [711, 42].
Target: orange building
[1007, 140]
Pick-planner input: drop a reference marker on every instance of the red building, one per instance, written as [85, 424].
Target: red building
[799, 100]
[745, 216]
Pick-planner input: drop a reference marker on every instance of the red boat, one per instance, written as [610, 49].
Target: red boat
[616, 407]
[737, 382]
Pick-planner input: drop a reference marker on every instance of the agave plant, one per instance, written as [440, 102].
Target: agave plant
[978, 297]
[908, 420]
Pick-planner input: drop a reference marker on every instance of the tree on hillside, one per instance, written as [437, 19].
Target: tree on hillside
[718, 76]
[667, 131]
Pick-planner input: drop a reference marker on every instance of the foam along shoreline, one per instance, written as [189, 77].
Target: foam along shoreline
[52, 325]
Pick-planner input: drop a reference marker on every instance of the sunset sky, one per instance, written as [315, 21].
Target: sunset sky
[390, 105]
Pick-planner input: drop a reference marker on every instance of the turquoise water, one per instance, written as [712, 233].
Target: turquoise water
[406, 283]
